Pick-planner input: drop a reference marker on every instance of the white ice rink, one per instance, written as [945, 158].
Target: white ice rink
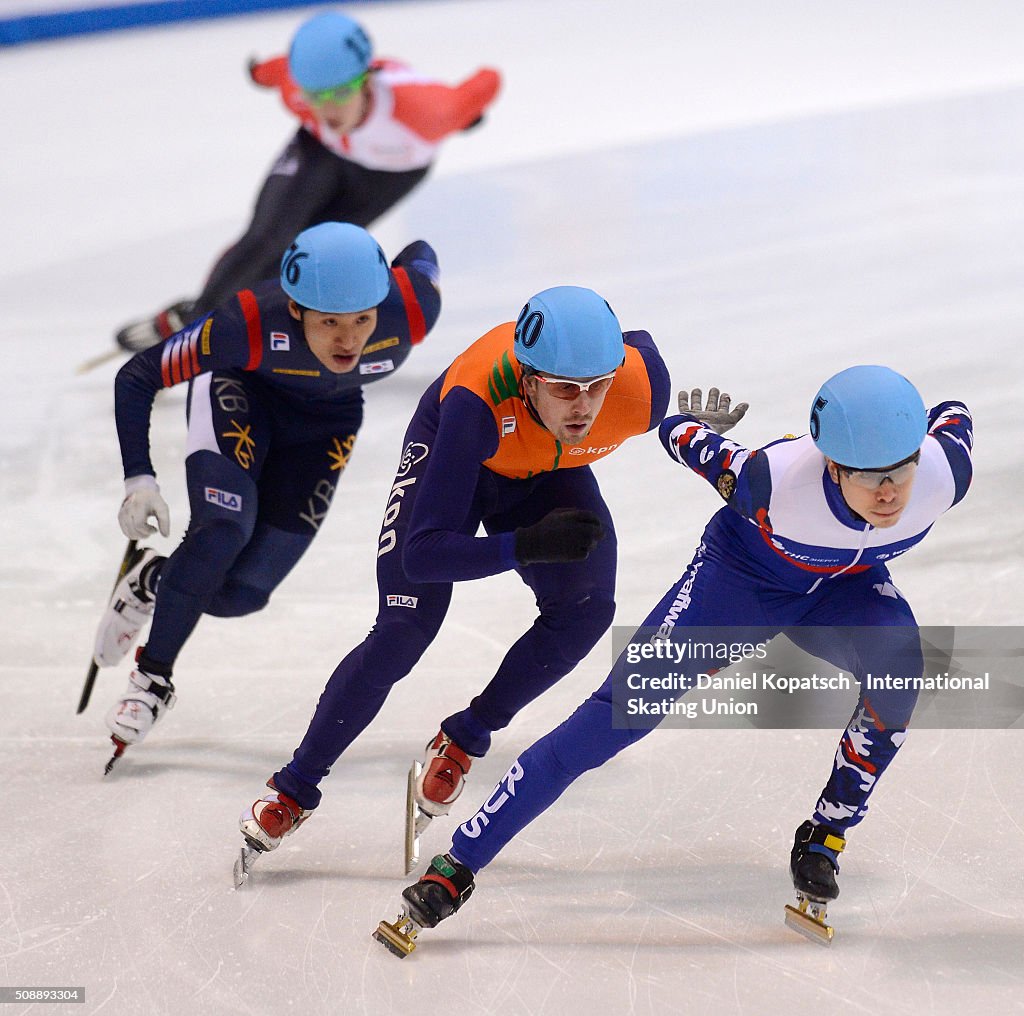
[774, 190]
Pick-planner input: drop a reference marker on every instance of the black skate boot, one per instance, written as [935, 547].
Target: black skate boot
[139, 335]
[813, 864]
[439, 893]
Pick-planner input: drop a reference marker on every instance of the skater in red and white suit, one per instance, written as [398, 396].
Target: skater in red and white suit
[370, 131]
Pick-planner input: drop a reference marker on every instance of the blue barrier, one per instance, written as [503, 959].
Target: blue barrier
[113, 17]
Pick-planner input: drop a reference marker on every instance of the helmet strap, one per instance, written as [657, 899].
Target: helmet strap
[530, 408]
[842, 495]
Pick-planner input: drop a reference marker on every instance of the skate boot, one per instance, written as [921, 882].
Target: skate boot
[264, 825]
[271, 818]
[813, 864]
[139, 335]
[150, 694]
[130, 607]
[433, 787]
[439, 893]
[445, 766]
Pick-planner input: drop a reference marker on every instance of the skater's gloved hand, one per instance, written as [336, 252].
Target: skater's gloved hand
[566, 534]
[270, 73]
[716, 413]
[142, 501]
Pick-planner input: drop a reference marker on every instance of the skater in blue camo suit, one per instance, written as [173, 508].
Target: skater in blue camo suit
[803, 540]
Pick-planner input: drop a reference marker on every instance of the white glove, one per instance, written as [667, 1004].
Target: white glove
[142, 501]
[716, 413]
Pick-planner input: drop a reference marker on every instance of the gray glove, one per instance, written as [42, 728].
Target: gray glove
[716, 413]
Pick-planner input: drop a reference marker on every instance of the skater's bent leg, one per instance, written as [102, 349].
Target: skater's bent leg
[872, 738]
[577, 605]
[409, 615]
[192, 575]
[297, 485]
[538, 778]
[363, 195]
[597, 731]
[261, 567]
[878, 636]
[362, 681]
[299, 185]
[560, 637]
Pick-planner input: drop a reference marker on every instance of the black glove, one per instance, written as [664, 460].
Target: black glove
[566, 534]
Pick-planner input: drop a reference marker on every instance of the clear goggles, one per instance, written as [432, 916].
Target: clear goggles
[564, 388]
[872, 479]
[338, 94]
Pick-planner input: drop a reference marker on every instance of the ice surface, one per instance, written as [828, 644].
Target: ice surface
[775, 191]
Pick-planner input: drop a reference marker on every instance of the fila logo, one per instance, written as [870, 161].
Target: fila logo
[603, 450]
[280, 342]
[508, 425]
[224, 498]
[402, 601]
[377, 367]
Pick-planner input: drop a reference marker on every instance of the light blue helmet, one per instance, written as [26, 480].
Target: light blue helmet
[568, 331]
[868, 417]
[328, 50]
[336, 268]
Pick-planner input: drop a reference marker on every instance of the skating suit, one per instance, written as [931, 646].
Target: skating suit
[270, 431]
[410, 114]
[323, 176]
[475, 454]
[785, 553]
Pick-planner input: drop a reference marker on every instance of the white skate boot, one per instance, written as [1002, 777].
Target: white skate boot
[130, 607]
[148, 697]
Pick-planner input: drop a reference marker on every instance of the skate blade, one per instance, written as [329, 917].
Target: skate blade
[399, 937]
[119, 747]
[244, 863]
[414, 820]
[808, 919]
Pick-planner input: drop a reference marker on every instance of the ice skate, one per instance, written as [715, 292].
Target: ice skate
[441, 891]
[415, 820]
[130, 607]
[433, 787]
[142, 334]
[445, 766]
[814, 863]
[264, 825]
[132, 716]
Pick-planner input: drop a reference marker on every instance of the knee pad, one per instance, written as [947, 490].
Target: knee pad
[268, 557]
[234, 599]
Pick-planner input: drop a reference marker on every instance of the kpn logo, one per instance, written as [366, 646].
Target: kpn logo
[590, 450]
